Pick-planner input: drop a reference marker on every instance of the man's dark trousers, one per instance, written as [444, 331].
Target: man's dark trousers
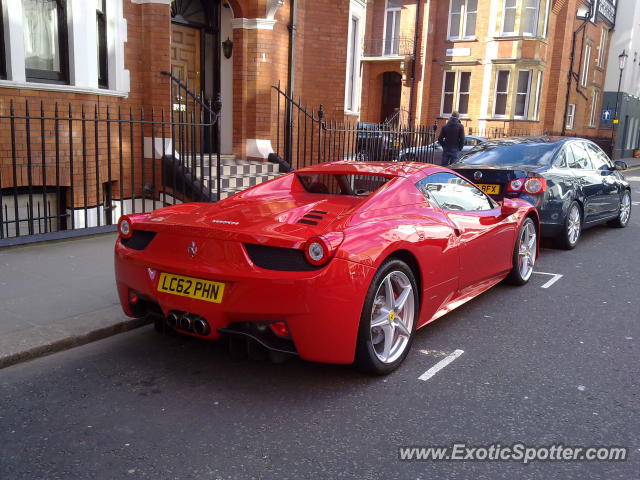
[449, 157]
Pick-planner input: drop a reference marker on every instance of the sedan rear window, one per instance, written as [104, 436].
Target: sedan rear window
[341, 184]
[509, 153]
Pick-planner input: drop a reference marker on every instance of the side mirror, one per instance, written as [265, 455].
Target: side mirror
[509, 207]
[619, 165]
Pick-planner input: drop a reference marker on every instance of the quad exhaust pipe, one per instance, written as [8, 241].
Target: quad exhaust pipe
[188, 322]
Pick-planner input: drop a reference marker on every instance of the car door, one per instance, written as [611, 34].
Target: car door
[485, 237]
[588, 181]
[560, 187]
[602, 166]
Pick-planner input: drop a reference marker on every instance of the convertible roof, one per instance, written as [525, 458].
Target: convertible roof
[384, 169]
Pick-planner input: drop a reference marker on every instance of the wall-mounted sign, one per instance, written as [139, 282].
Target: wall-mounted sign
[458, 52]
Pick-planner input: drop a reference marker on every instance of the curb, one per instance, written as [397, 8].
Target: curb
[73, 341]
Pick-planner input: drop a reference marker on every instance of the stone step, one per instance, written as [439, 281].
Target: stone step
[238, 183]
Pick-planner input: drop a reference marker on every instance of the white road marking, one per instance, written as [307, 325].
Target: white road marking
[440, 365]
[635, 203]
[435, 353]
[556, 277]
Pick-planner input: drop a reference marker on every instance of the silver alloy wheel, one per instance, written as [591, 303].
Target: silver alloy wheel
[527, 249]
[574, 225]
[625, 208]
[392, 317]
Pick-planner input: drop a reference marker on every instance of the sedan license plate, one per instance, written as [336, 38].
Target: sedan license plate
[489, 189]
[191, 287]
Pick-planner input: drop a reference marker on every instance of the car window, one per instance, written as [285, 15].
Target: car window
[451, 192]
[580, 158]
[503, 153]
[599, 159]
[471, 142]
[561, 159]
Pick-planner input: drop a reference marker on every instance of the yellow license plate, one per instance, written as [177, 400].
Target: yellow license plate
[191, 287]
[490, 189]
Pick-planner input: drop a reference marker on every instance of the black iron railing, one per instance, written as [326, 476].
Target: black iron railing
[317, 139]
[68, 169]
[388, 47]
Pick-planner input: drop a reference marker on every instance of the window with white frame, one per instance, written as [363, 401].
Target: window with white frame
[536, 110]
[455, 93]
[509, 17]
[547, 16]
[602, 48]
[530, 16]
[586, 61]
[64, 44]
[101, 43]
[522, 93]
[44, 24]
[594, 109]
[571, 115]
[502, 93]
[392, 27]
[353, 80]
[352, 67]
[462, 19]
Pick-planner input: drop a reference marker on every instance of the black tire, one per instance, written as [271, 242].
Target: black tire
[516, 275]
[367, 360]
[565, 240]
[622, 220]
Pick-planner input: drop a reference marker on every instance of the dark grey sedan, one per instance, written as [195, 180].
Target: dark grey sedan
[424, 154]
[571, 181]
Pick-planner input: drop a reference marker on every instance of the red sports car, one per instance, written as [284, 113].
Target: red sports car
[338, 263]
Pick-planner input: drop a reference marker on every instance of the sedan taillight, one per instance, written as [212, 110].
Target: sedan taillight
[531, 185]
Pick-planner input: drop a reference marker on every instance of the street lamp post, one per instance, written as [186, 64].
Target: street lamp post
[622, 59]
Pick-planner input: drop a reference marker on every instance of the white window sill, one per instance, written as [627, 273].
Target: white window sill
[50, 87]
[349, 113]
[461, 39]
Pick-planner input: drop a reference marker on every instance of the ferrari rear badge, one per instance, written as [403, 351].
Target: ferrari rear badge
[192, 249]
[477, 176]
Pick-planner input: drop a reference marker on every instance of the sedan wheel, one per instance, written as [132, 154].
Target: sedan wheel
[622, 220]
[572, 227]
[388, 319]
[525, 253]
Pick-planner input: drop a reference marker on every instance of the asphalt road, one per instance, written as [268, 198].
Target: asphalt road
[540, 366]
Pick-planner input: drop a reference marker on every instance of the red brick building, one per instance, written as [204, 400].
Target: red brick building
[105, 57]
[503, 64]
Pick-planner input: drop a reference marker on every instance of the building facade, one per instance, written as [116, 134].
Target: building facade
[100, 63]
[504, 65]
[625, 40]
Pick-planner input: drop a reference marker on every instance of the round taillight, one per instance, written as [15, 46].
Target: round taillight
[535, 185]
[317, 251]
[516, 185]
[125, 229]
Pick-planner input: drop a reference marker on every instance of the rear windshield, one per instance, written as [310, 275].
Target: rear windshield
[338, 184]
[508, 153]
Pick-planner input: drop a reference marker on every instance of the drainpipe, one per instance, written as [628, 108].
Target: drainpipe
[291, 76]
[415, 59]
[571, 73]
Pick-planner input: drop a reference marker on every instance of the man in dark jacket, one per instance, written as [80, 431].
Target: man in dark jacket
[451, 139]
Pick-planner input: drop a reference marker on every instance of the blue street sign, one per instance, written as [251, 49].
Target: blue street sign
[606, 115]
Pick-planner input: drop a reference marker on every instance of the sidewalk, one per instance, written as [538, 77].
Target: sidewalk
[57, 295]
[631, 162]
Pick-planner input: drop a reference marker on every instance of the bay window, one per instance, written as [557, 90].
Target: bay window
[522, 93]
[509, 17]
[462, 19]
[530, 17]
[502, 93]
[45, 40]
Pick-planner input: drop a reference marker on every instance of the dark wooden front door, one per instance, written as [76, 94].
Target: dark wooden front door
[391, 94]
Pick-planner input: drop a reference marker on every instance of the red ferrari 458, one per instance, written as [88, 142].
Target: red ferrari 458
[338, 263]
